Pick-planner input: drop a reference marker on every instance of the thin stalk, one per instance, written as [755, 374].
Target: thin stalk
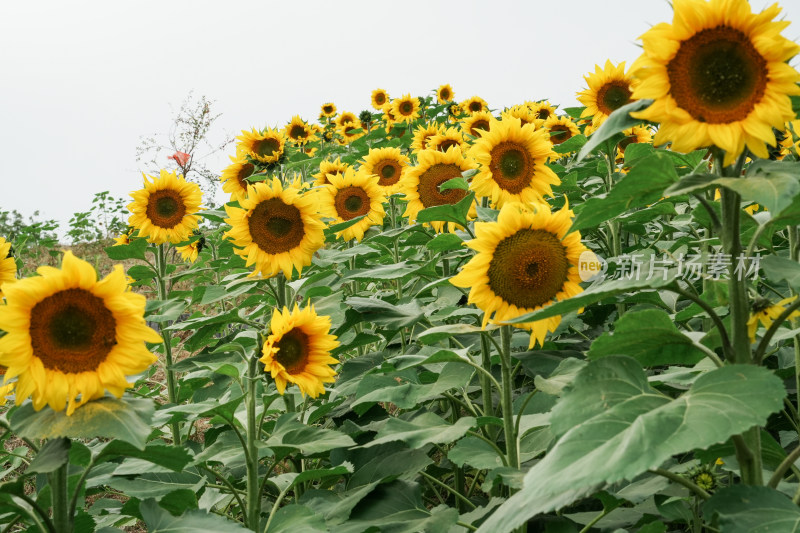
[448, 488]
[227, 484]
[486, 388]
[595, 520]
[508, 407]
[253, 485]
[680, 480]
[163, 293]
[62, 520]
[783, 467]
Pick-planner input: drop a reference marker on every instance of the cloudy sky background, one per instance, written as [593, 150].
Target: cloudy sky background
[82, 81]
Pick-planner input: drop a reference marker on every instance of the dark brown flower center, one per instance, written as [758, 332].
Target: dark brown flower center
[293, 351]
[612, 96]
[351, 202]
[276, 227]
[266, 147]
[512, 166]
[388, 172]
[432, 179]
[165, 208]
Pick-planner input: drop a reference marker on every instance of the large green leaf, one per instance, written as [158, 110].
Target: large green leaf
[456, 212]
[134, 250]
[53, 454]
[425, 429]
[295, 518]
[386, 314]
[613, 426]
[662, 345]
[406, 395]
[782, 268]
[127, 420]
[157, 485]
[158, 520]
[292, 434]
[749, 509]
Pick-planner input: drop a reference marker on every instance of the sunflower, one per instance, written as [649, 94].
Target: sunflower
[766, 313]
[350, 195]
[524, 114]
[560, 129]
[263, 146]
[379, 98]
[234, 177]
[191, 251]
[609, 89]
[405, 109]
[476, 122]
[719, 75]
[422, 134]
[165, 209]
[634, 135]
[298, 131]
[444, 94]
[298, 350]
[474, 105]
[543, 110]
[446, 139]
[123, 239]
[328, 110]
[329, 167]
[69, 337]
[346, 117]
[8, 267]
[389, 164]
[421, 182]
[276, 229]
[349, 132]
[525, 261]
[512, 158]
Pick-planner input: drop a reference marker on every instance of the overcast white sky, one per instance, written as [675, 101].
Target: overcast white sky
[82, 81]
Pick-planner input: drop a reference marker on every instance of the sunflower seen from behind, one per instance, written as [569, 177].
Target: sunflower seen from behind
[298, 350]
[264, 146]
[234, 177]
[421, 183]
[8, 267]
[389, 164]
[350, 195]
[525, 261]
[379, 98]
[718, 75]
[70, 338]
[609, 89]
[164, 210]
[444, 94]
[512, 159]
[276, 229]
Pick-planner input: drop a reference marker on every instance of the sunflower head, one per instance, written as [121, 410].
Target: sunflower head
[447, 138]
[328, 110]
[298, 131]
[719, 75]
[405, 109]
[475, 123]
[298, 350]
[69, 338]
[346, 117]
[474, 105]
[444, 94]
[164, 210]
[379, 99]
[560, 128]
[353, 194]
[422, 134]
[388, 164]
[542, 110]
[524, 114]
[329, 167]
[8, 266]
[609, 89]
[350, 131]
[234, 177]
[263, 146]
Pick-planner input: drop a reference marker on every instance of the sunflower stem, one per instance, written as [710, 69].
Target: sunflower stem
[253, 483]
[507, 400]
[62, 520]
[163, 294]
[280, 292]
[486, 386]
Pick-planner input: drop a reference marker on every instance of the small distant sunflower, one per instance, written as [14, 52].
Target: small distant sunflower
[234, 177]
[329, 167]
[525, 261]
[560, 128]
[422, 134]
[512, 159]
[298, 350]
[276, 229]
[328, 110]
[766, 312]
[609, 89]
[8, 267]
[124, 238]
[455, 112]
[477, 122]
[298, 131]
[543, 110]
[70, 337]
[389, 164]
[421, 182]
[347, 117]
[444, 94]
[352, 195]
[350, 131]
[263, 146]
[474, 105]
[191, 251]
[379, 98]
[405, 109]
[719, 75]
[524, 114]
[165, 209]
[446, 139]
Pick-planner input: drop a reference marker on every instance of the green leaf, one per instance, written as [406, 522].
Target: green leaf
[157, 485]
[773, 184]
[425, 429]
[445, 242]
[662, 345]
[573, 144]
[341, 226]
[378, 388]
[172, 457]
[614, 426]
[782, 268]
[289, 433]
[751, 509]
[134, 250]
[127, 420]
[456, 212]
[158, 520]
[385, 314]
[439, 333]
[51, 456]
[139, 272]
[394, 271]
[475, 452]
[618, 120]
[561, 377]
[295, 518]
[691, 183]
[454, 183]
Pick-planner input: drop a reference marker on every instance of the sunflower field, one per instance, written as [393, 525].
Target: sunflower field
[439, 316]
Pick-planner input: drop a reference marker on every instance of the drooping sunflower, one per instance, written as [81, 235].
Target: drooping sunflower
[298, 350]
[422, 134]
[446, 139]
[389, 164]
[524, 114]
[234, 177]
[263, 146]
[276, 229]
[474, 105]
[350, 195]
[512, 159]
[421, 182]
[329, 167]
[379, 99]
[560, 128]
[543, 110]
[719, 75]
[8, 267]
[405, 109]
[444, 94]
[476, 122]
[298, 131]
[525, 261]
[328, 110]
[165, 209]
[346, 117]
[609, 89]
[70, 337]
[766, 313]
